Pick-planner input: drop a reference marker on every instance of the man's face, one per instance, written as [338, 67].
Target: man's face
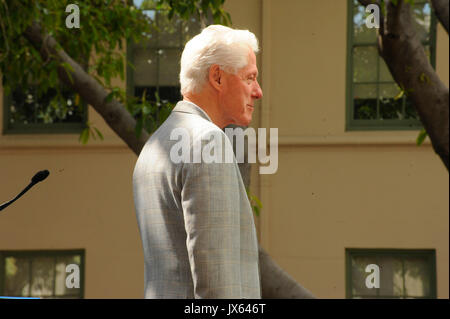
[239, 93]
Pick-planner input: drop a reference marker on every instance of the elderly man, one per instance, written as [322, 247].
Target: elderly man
[195, 220]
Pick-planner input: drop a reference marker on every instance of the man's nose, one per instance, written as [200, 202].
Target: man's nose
[257, 93]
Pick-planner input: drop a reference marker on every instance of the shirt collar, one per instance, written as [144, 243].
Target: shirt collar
[191, 108]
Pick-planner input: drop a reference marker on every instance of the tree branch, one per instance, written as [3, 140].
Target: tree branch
[409, 65]
[114, 113]
[441, 11]
[278, 284]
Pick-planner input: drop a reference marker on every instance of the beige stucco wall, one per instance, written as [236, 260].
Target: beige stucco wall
[333, 189]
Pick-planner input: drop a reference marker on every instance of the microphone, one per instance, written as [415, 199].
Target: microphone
[38, 177]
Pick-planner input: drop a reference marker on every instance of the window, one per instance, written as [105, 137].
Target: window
[373, 99]
[25, 113]
[156, 61]
[40, 273]
[403, 273]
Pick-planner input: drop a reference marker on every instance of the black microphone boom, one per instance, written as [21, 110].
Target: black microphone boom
[38, 177]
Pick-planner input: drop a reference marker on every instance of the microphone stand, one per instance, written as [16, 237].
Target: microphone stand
[38, 177]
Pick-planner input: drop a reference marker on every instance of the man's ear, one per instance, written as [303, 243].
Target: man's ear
[215, 76]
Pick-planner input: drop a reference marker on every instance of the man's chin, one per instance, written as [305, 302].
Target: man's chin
[242, 121]
[245, 122]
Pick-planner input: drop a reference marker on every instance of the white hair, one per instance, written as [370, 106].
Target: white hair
[216, 44]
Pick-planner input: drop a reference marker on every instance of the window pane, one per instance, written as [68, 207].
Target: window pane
[42, 276]
[149, 42]
[359, 275]
[149, 92]
[361, 33]
[390, 108]
[365, 91]
[391, 276]
[365, 101]
[145, 62]
[417, 277]
[17, 280]
[365, 109]
[403, 273]
[170, 94]
[169, 69]
[27, 108]
[385, 74]
[410, 111]
[365, 64]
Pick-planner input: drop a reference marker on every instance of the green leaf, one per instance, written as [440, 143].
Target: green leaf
[399, 95]
[91, 133]
[77, 99]
[216, 3]
[109, 97]
[137, 110]
[256, 210]
[84, 136]
[421, 137]
[171, 13]
[424, 78]
[100, 135]
[68, 68]
[258, 202]
[146, 109]
[143, 99]
[139, 125]
[229, 22]
[252, 198]
[204, 6]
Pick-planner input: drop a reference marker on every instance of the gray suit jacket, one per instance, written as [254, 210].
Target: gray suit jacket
[195, 220]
